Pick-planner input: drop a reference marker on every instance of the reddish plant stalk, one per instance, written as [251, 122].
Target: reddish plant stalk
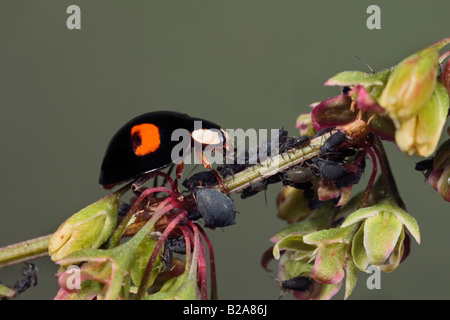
[212, 264]
[201, 261]
[157, 249]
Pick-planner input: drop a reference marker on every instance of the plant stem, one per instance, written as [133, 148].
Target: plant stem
[273, 165]
[386, 171]
[24, 251]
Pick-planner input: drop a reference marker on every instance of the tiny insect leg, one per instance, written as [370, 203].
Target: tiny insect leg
[205, 163]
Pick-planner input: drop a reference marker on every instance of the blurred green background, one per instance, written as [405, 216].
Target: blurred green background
[241, 63]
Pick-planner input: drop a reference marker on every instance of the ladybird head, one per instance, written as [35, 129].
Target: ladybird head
[208, 133]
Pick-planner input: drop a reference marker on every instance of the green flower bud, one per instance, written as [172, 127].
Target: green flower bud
[88, 228]
[419, 135]
[411, 84]
[379, 240]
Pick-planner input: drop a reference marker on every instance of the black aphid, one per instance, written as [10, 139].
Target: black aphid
[216, 208]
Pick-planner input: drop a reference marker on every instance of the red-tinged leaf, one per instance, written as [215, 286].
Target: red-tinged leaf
[333, 112]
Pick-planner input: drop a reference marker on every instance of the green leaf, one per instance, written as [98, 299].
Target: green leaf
[334, 235]
[350, 78]
[381, 233]
[351, 276]
[325, 291]
[358, 250]
[396, 256]
[408, 221]
[290, 266]
[329, 263]
[360, 215]
[6, 292]
[291, 242]
[142, 256]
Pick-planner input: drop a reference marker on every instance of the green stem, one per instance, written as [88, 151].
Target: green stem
[273, 165]
[24, 251]
[386, 171]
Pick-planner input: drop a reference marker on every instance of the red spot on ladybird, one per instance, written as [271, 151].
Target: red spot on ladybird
[145, 138]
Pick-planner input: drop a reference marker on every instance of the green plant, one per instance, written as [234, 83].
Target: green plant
[331, 233]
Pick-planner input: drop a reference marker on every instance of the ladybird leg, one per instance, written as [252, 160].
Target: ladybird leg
[205, 163]
[178, 174]
[141, 180]
[179, 170]
[220, 180]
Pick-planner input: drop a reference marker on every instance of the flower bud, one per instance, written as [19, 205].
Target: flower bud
[419, 135]
[88, 228]
[379, 241]
[411, 84]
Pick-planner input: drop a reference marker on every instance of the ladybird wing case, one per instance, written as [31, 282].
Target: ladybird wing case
[121, 163]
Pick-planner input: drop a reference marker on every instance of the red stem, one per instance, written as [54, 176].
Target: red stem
[157, 249]
[201, 261]
[168, 178]
[117, 235]
[187, 240]
[212, 264]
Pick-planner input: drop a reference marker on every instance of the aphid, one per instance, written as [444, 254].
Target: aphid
[298, 174]
[334, 141]
[299, 283]
[29, 279]
[350, 177]
[145, 144]
[177, 245]
[293, 142]
[200, 179]
[123, 209]
[216, 208]
[330, 169]
[345, 89]
[267, 149]
[426, 166]
[231, 169]
[167, 257]
[254, 189]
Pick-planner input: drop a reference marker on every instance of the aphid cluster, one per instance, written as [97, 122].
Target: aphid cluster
[336, 162]
[139, 151]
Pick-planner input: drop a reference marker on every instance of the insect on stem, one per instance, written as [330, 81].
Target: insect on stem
[274, 165]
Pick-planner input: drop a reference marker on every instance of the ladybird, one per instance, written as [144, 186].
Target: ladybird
[145, 144]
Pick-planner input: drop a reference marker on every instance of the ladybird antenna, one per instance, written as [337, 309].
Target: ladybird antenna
[363, 62]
